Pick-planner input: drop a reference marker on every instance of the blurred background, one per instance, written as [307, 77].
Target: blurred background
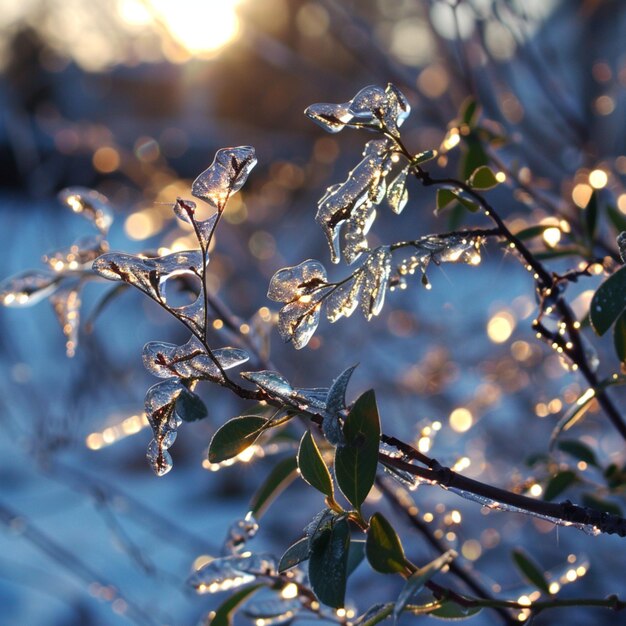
[133, 98]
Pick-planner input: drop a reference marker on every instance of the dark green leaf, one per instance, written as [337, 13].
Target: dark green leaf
[312, 467]
[295, 554]
[444, 198]
[383, 548]
[418, 579]
[357, 460]
[190, 408]
[355, 555]
[224, 614]
[451, 611]
[282, 474]
[608, 302]
[594, 502]
[532, 231]
[422, 157]
[234, 437]
[483, 178]
[469, 112]
[618, 219]
[559, 483]
[328, 565]
[474, 157]
[591, 217]
[573, 415]
[619, 337]
[578, 450]
[530, 570]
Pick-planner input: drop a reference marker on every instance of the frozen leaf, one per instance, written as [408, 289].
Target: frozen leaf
[28, 288]
[621, 245]
[271, 382]
[79, 255]
[331, 117]
[320, 523]
[239, 533]
[608, 302]
[397, 195]
[294, 555]
[160, 459]
[336, 402]
[314, 397]
[185, 210]
[66, 305]
[90, 204]
[377, 270]
[355, 232]
[190, 361]
[344, 299]
[273, 612]
[225, 176]
[291, 283]
[365, 185]
[223, 616]
[230, 572]
[150, 274]
[298, 321]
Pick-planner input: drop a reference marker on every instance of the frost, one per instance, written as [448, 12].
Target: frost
[225, 176]
[290, 283]
[331, 117]
[189, 361]
[397, 195]
[90, 204]
[28, 288]
[298, 321]
[230, 572]
[272, 382]
[344, 299]
[377, 270]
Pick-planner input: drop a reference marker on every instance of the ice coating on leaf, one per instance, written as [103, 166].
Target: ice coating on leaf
[148, 274]
[81, 253]
[335, 404]
[315, 397]
[28, 288]
[274, 383]
[190, 360]
[372, 106]
[344, 300]
[185, 210]
[331, 117]
[239, 533]
[321, 521]
[225, 176]
[397, 195]
[66, 305]
[160, 405]
[621, 246]
[298, 321]
[377, 270]
[90, 204]
[365, 185]
[273, 612]
[291, 283]
[355, 232]
[230, 572]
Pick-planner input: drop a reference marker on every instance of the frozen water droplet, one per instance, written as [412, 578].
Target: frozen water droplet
[90, 204]
[225, 176]
[66, 305]
[160, 459]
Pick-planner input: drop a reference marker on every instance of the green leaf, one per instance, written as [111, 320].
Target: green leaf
[190, 408]
[618, 219]
[532, 231]
[593, 502]
[357, 460]
[418, 579]
[559, 483]
[469, 112]
[619, 337]
[483, 178]
[608, 302]
[224, 614]
[235, 436]
[295, 554]
[573, 415]
[591, 217]
[312, 467]
[444, 198]
[530, 570]
[422, 157]
[281, 476]
[578, 450]
[356, 554]
[328, 565]
[383, 547]
[474, 157]
[451, 611]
